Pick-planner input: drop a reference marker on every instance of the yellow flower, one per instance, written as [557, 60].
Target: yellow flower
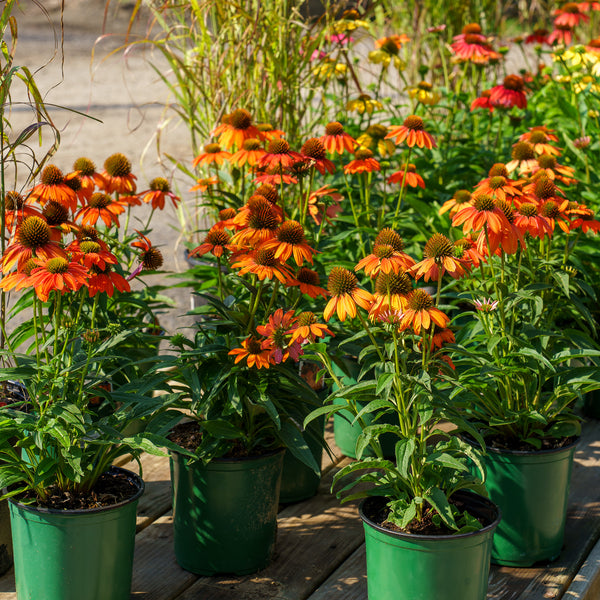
[586, 82]
[374, 137]
[330, 68]
[424, 94]
[364, 103]
[384, 58]
[576, 56]
[593, 114]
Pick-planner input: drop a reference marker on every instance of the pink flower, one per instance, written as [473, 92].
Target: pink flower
[486, 305]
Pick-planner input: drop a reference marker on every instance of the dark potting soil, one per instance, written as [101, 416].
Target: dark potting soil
[502, 443]
[111, 488]
[424, 527]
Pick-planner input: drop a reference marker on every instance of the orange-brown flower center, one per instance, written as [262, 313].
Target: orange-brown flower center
[55, 213]
[377, 131]
[307, 276]
[13, 201]
[497, 182]
[420, 300]
[253, 346]
[414, 123]
[291, 232]
[341, 281]
[473, 38]
[217, 237]
[390, 237]
[498, 170]
[160, 184]
[313, 148]
[226, 213]
[425, 85]
[528, 209]
[152, 259]
[547, 161]
[117, 165]
[33, 232]
[306, 318]
[438, 246]
[74, 182]
[544, 188]
[263, 217]
[471, 28]
[462, 196]
[99, 200]
[30, 265]
[484, 202]
[89, 233]
[251, 144]
[550, 209]
[265, 257]
[334, 128]
[383, 251]
[89, 247]
[212, 148]
[278, 146]
[268, 191]
[85, 166]
[52, 175]
[571, 7]
[393, 283]
[240, 119]
[363, 154]
[523, 151]
[389, 45]
[57, 265]
[507, 209]
[514, 83]
[538, 137]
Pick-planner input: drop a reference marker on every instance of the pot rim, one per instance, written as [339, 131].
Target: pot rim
[139, 482]
[253, 457]
[533, 451]
[415, 537]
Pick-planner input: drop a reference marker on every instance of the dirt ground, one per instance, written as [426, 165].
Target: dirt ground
[121, 93]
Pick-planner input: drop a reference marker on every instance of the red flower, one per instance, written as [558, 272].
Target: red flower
[57, 274]
[336, 140]
[483, 101]
[510, 93]
[363, 162]
[413, 131]
[158, 192]
[412, 178]
[254, 353]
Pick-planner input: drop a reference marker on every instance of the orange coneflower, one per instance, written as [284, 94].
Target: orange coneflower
[74, 181]
[569, 15]
[250, 153]
[264, 265]
[363, 163]
[53, 187]
[324, 203]
[279, 155]
[57, 274]
[439, 338]
[540, 137]
[158, 192]
[584, 219]
[308, 329]
[90, 179]
[541, 187]
[439, 259]
[466, 250]
[413, 131]
[336, 140]
[529, 220]
[343, 287]
[507, 239]
[546, 163]
[91, 253]
[17, 209]
[483, 101]
[33, 238]
[458, 200]
[100, 206]
[254, 353]
[216, 242]
[290, 240]
[235, 129]
[19, 279]
[273, 175]
[314, 149]
[280, 341]
[202, 185]
[420, 312]
[523, 157]
[117, 175]
[384, 259]
[266, 132]
[104, 279]
[510, 93]
[308, 281]
[556, 212]
[213, 154]
[151, 258]
[412, 178]
[483, 212]
[391, 293]
[258, 221]
[498, 184]
[471, 45]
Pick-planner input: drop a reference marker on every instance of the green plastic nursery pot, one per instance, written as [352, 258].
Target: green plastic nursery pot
[298, 481]
[403, 566]
[225, 513]
[75, 554]
[532, 490]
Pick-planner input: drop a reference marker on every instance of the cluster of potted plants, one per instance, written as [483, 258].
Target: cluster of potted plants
[451, 378]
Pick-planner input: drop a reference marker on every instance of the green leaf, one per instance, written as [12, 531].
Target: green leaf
[440, 503]
[404, 450]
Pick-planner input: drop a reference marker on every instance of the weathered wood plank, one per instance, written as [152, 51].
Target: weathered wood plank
[348, 582]
[586, 585]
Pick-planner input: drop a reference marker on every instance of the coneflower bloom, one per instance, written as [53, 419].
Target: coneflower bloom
[529, 220]
[74, 181]
[53, 187]
[100, 206]
[158, 192]
[412, 178]
[308, 329]
[364, 104]
[105, 280]
[324, 203]
[278, 155]
[421, 313]
[280, 341]
[117, 175]
[273, 175]
[308, 281]
[345, 295]
[19, 279]
[336, 140]
[471, 45]
[91, 254]
[33, 239]
[57, 216]
[486, 304]
[481, 213]
[541, 187]
[384, 259]
[547, 164]
[523, 157]
[264, 265]
[584, 219]
[538, 36]
[202, 185]
[258, 220]
[483, 101]
[249, 154]
[235, 129]
[90, 179]
[266, 132]
[254, 353]
[216, 242]
[314, 149]
[499, 186]
[439, 338]
[57, 274]
[507, 239]
[439, 259]
[563, 34]
[569, 15]
[290, 241]
[413, 132]
[213, 154]
[541, 138]
[374, 138]
[387, 49]
[556, 212]
[466, 250]
[510, 93]
[391, 293]
[16, 209]
[363, 163]
[151, 258]
[459, 199]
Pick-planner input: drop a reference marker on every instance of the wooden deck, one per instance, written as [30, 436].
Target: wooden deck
[320, 551]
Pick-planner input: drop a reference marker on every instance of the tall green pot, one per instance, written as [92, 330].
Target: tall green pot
[532, 490]
[225, 513]
[402, 566]
[75, 554]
